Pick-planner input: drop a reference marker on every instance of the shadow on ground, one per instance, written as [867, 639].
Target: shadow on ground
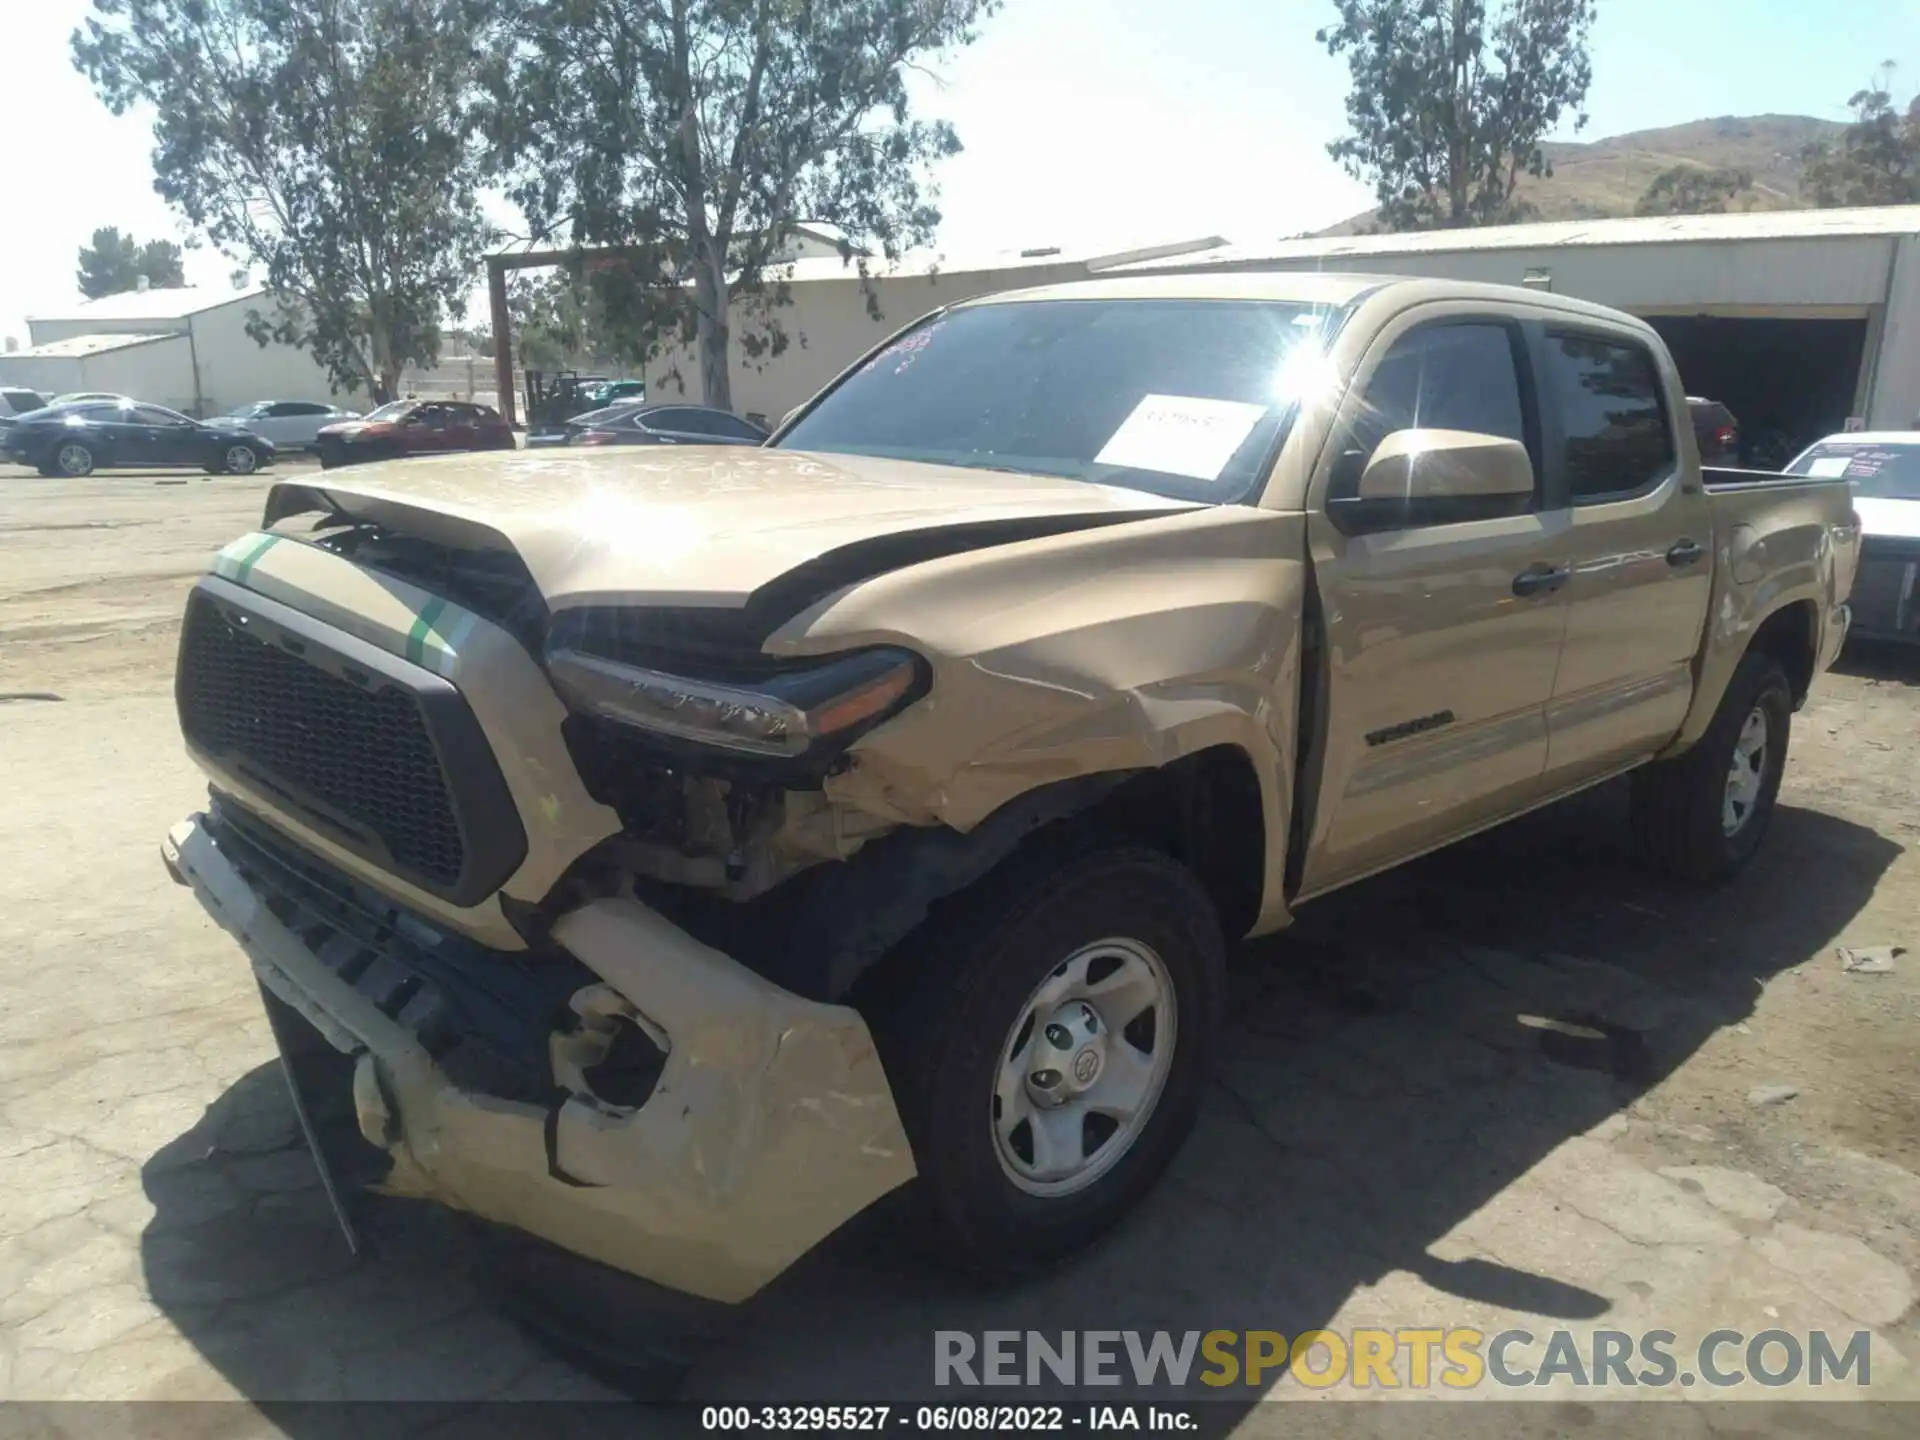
[1380, 1083]
[1885, 661]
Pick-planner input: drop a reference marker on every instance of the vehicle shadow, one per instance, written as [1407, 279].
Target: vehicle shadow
[1887, 661]
[1386, 1075]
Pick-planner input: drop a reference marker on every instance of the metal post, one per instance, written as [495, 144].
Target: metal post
[502, 340]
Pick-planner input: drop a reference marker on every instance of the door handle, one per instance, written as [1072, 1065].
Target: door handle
[1684, 553]
[1539, 579]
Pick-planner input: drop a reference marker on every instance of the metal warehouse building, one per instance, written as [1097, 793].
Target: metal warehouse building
[1799, 321]
[185, 348]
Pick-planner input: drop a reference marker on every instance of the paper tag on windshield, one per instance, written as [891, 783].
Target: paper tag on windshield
[1830, 466]
[1181, 435]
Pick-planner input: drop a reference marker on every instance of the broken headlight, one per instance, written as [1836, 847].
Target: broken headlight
[783, 716]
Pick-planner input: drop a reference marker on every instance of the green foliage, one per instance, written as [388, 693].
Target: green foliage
[560, 322]
[114, 263]
[1693, 190]
[697, 133]
[1451, 99]
[330, 143]
[1876, 160]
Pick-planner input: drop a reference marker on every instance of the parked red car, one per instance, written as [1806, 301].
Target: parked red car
[414, 427]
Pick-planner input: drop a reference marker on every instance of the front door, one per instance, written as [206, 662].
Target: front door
[1441, 639]
[152, 436]
[1641, 548]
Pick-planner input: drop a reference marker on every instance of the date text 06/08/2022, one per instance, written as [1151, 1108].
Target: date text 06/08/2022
[946, 1419]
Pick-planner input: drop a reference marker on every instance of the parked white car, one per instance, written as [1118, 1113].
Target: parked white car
[289, 424]
[1883, 469]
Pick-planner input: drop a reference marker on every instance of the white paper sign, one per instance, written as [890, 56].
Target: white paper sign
[1830, 465]
[1181, 435]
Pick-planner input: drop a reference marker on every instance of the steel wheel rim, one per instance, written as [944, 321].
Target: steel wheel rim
[1745, 773]
[75, 460]
[1073, 1085]
[240, 460]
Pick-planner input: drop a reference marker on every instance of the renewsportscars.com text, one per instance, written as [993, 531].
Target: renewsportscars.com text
[1455, 1359]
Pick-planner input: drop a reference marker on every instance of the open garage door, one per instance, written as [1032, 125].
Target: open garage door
[1787, 381]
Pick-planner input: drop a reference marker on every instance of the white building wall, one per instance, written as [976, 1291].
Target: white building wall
[157, 371]
[45, 332]
[1895, 401]
[235, 371]
[49, 374]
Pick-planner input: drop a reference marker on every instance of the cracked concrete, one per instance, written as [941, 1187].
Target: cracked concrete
[1395, 1139]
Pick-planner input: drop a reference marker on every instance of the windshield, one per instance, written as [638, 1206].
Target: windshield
[1879, 471]
[392, 410]
[1184, 398]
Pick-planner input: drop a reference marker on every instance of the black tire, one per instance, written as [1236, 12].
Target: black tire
[1679, 817]
[943, 1008]
[62, 464]
[221, 467]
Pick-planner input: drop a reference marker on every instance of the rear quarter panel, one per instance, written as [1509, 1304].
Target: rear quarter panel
[1778, 542]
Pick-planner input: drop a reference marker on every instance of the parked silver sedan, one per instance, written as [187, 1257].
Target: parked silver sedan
[289, 424]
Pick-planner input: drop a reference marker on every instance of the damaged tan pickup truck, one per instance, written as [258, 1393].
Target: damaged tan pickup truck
[667, 853]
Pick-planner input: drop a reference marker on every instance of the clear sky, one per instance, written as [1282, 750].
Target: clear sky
[1086, 122]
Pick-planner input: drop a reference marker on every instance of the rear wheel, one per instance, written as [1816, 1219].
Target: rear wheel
[1049, 1048]
[1702, 815]
[73, 460]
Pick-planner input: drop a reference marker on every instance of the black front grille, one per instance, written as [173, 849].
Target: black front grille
[379, 756]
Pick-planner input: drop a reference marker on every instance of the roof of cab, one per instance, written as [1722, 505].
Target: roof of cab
[1299, 286]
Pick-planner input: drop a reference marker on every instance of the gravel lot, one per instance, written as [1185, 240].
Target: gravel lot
[1397, 1139]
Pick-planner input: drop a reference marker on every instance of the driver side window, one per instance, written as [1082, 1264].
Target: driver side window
[1450, 376]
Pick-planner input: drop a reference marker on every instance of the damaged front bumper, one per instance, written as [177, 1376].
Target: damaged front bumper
[770, 1122]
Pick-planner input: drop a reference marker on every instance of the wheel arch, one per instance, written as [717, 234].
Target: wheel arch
[1788, 632]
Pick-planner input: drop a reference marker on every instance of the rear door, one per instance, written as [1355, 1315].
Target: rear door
[1641, 544]
[1441, 634]
[672, 425]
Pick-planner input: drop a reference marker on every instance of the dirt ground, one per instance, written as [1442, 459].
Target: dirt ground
[1519, 1084]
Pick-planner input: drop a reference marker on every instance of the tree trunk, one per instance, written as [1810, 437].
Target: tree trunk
[715, 335]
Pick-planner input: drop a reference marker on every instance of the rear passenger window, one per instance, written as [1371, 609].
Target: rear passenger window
[1439, 377]
[1613, 417]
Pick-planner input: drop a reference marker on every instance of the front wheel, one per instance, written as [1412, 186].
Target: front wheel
[1701, 815]
[1049, 1051]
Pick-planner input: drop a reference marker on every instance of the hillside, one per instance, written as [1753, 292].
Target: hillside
[1603, 178]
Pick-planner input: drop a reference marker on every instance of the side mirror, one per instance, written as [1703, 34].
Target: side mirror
[1447, 465]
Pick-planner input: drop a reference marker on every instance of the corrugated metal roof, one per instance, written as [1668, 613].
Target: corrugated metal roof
[1646, 230]
[175, 304]
[79, 347]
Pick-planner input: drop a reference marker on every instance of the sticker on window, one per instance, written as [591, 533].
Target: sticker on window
[1181, 435]
[1830, 466]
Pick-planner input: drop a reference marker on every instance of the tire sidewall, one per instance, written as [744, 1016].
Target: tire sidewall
[1124, 893]
[1758, 683]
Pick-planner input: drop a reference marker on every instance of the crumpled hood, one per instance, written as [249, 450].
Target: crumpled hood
[705, 525]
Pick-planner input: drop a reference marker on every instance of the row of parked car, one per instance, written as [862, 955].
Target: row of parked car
[74, 435]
